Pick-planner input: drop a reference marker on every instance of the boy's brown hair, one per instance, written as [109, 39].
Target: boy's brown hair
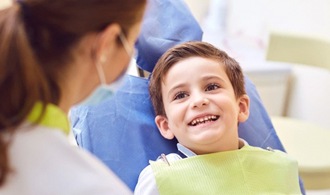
[187, 50]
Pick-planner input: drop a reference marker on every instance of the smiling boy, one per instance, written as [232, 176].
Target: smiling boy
[199, 98]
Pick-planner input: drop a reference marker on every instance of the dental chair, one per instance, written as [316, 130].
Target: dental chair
[305, 128]
[121, 131]
[299, 48]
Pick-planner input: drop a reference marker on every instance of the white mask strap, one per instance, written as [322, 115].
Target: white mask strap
[100, 70]
[103, 58]
[124, 41]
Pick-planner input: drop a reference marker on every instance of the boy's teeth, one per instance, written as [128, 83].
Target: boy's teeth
[201, 120]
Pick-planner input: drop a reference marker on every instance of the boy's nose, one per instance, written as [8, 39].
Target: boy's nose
[199, 101]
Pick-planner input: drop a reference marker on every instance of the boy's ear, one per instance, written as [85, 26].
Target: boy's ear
[162, 124]
[244, 108]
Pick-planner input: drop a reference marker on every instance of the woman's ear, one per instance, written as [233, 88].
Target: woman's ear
[107, 41]
[244, 108]
[162, 124]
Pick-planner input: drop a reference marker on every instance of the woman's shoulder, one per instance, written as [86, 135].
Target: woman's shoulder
[44, 155]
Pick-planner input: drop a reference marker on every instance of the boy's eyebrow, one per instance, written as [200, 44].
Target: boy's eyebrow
[175, 87]
[212, 77]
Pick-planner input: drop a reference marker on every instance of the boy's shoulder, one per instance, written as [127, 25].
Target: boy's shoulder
[272, 156]
[168, 158]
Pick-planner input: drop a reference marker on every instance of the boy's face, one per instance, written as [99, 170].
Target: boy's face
[202, 110]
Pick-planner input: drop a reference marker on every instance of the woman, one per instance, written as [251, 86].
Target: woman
[55, 54]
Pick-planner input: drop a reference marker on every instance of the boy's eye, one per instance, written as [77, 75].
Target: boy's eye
[212, 86]
[180, 95]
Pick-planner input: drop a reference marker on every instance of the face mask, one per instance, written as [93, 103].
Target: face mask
[105, 91]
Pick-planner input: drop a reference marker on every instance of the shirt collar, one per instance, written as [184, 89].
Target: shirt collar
[185, 151]
[53, 117]
[188, 153]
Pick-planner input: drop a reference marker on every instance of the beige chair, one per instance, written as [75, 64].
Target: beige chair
[305, 127]
[4, 4]
[300, 49]
[309, 90]
[309, 144]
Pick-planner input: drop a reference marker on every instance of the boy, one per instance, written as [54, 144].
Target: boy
[199, 98]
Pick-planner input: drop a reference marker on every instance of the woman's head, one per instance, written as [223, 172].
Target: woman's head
[42, 39]
[187, 50]
[39, 38]
[55, 26]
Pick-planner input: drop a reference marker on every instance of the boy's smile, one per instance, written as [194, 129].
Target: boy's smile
[202, 111]
[203, 119]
